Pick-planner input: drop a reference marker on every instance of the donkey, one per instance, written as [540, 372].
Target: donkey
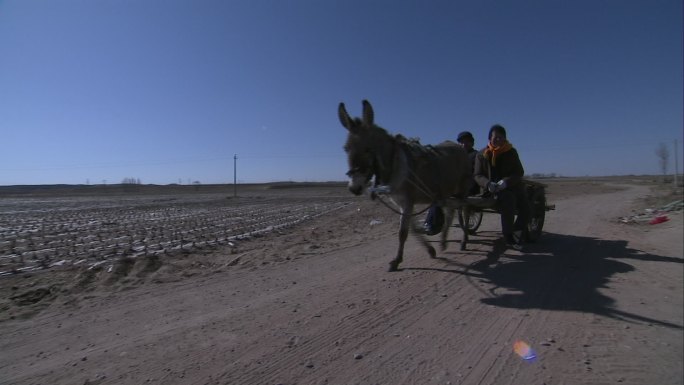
[414, 173]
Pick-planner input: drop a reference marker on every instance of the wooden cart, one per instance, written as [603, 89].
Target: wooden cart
[536, 194]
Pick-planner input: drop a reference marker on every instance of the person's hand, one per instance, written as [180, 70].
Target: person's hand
[492, 187]
[502, 184]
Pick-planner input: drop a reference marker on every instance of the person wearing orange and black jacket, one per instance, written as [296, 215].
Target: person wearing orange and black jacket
[499, 172]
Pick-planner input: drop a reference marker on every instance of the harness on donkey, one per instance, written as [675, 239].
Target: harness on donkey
[414, 153]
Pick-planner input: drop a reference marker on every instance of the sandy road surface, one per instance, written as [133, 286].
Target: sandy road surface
[600, 303]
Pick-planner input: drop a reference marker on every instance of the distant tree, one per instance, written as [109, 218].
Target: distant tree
[663, 155]
[542, 175]
[131, 181]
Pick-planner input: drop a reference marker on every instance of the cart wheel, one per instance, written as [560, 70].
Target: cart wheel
[537, 215]
[474, 221]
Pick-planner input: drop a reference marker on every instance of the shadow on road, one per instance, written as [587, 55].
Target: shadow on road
[560, 272]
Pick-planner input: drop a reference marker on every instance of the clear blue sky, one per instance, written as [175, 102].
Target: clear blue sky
[170, 90]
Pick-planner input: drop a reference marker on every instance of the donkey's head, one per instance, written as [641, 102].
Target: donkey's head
[359, 147]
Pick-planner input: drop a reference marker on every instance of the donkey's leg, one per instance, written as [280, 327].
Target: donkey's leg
[463, 219]
[449, 220]
[404, 223]
[418, 232]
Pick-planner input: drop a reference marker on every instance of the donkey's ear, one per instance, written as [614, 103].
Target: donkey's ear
[344, 117]
[368, 115]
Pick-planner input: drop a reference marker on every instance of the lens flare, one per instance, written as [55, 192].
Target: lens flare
[524, 350]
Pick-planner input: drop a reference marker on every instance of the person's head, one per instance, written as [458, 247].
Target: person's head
[466, 139]
[497, 135]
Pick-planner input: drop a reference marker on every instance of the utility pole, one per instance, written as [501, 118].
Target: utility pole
[235, 175]
[676, 159]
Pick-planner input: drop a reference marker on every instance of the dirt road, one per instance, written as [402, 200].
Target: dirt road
[599, 302]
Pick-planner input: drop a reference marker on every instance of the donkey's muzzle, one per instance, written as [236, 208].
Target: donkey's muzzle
[356, 189]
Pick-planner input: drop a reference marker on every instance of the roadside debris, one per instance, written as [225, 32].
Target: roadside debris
[658, 219]
[654, 216]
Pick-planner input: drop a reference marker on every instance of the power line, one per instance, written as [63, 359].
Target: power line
[165, 162]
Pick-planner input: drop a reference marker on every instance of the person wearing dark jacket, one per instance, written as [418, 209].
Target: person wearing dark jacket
[498, 171]
[434, 219]
[467, 140]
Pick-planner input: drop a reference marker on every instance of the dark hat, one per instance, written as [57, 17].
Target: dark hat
[497, 128]
[465, 134]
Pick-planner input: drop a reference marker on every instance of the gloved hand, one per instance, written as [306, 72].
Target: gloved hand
[492, 187]
[502, 184]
